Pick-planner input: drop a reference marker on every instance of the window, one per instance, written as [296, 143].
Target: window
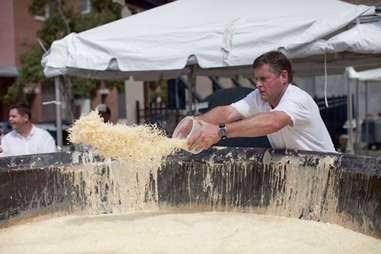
[85, 6]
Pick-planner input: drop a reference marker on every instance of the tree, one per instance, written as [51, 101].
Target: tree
[63, 19]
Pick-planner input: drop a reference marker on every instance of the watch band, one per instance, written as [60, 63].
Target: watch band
[222, 131]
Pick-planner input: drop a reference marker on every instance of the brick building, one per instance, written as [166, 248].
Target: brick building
[18, 28]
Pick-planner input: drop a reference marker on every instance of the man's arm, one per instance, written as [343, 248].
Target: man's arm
[220, 114]
[259, 125]
[4, 148]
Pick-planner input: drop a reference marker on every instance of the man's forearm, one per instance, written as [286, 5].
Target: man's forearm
[221, 114]
[259, 125]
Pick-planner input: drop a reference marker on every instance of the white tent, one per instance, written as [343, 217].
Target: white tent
[214, 34]
[369, 75]
[359, 46]
[363, 77]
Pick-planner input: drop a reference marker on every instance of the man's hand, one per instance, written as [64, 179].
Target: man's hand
[205, 137]
[183, 128]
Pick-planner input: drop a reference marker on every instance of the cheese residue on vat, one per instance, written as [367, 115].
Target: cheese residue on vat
[143, 145]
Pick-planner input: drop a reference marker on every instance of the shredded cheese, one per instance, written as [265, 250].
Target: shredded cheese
[143, 145]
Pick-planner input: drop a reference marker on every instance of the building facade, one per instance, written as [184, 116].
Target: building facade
[17, 28]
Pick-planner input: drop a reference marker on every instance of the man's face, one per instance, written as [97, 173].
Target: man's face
[270, 84]
[16, 120]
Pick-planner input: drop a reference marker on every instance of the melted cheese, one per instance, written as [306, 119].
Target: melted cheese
[143, 145]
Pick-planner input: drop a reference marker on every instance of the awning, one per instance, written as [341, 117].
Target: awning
[215, 35]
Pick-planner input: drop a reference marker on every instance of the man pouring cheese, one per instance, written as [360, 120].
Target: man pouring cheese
[285, 113]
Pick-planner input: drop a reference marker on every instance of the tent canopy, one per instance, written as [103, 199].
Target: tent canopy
[368, 75]
[364, 76]
[214, 35]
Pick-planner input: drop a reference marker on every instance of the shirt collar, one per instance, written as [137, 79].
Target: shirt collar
[32, 132]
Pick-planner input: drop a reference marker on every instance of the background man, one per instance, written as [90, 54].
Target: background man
[285, 113]
[25, 138]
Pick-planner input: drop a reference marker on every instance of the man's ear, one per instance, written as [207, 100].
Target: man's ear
[284, 77]
[26, 117]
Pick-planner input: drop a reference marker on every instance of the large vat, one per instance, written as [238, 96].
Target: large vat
[334, 188]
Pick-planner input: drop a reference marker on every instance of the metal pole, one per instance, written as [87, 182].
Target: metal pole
[192, 82]
[177, 103]
[349, 110]
[366, 98]
[58, 111]
[357, 111]
[366, 113]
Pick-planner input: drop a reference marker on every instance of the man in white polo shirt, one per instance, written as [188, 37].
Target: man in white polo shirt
[25, 138]
[285, 113]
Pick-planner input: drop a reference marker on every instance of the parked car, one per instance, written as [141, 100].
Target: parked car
[52, 129]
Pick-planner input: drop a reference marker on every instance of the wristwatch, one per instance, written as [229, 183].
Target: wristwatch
[222, 131]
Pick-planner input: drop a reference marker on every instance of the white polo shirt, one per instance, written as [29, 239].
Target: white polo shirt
[38, 141]
[308, 131]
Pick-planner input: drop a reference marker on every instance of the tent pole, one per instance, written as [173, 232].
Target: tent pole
[192, 86]
[349, 113]
[366, 112]
[57, 81]
[366, 98]
[357, 111]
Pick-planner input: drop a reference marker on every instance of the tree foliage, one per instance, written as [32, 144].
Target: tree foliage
[64, 18]
[30, 73]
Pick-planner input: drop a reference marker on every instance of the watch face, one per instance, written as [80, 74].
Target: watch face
[222, 132]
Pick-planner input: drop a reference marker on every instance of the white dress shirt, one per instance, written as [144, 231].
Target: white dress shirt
[38, 141]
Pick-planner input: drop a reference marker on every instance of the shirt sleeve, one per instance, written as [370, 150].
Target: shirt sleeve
[4, 147]
[297, 109]
[247, 106]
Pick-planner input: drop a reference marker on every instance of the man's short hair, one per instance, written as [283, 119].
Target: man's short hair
[23, 110]
[277, 61]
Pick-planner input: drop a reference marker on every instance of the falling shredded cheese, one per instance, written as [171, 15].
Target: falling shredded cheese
[143, 145]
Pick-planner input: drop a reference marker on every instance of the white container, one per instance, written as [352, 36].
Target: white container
[186, 128]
